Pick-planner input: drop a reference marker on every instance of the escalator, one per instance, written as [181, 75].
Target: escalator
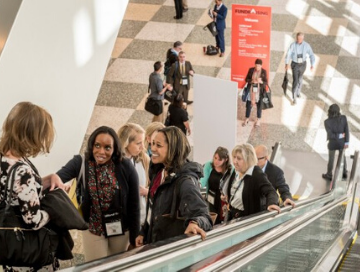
[297, 237]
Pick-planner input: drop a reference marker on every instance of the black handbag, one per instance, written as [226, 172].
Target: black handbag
[265, 100]
[20, 245]
[212, 28]
[285, 83]
[61, 210]
[154, 106]
[245, 93]
[170, 95]
[211, 50]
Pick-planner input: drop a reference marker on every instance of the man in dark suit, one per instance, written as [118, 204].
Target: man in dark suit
[274, 174]
[179, 76]
[219, 13]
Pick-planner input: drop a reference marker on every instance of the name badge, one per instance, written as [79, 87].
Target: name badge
[211, 199]
[184, 80]
[112, 223]
[341, 136]
[300, 58]
[255, 88]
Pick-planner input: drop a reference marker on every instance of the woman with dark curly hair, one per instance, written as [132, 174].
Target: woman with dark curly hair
[175, 205]
[109, 193]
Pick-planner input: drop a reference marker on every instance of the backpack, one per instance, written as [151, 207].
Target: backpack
[211, 50]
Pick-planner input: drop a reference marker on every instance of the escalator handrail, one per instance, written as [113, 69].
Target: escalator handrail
[257, 248]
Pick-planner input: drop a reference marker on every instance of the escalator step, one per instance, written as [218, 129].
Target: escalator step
[352, 258]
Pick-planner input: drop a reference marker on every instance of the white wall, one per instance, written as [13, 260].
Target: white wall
[215, 116]
[56, 56]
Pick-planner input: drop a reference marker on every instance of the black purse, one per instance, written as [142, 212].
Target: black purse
[21, 246]
[265, 100]
[212, 28]
[154, 106]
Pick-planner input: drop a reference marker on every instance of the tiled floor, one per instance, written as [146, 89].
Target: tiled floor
[331, 27]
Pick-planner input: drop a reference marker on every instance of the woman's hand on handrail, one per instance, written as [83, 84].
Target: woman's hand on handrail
[274, 208]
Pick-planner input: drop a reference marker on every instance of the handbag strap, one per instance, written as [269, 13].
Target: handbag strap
[81, 173]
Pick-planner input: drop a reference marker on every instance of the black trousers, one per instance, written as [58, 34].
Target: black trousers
[298, 70]
[178, 9]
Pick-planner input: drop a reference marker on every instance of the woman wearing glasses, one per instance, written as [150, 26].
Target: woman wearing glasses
[247, 185]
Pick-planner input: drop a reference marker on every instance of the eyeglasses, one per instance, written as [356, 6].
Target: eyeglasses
[261, 158]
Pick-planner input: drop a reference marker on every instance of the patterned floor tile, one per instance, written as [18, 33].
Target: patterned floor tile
[206, 70]
[324, 66]
[140, 12]
[199, 35]
[275, 60]
[344, 91]
[141, 117]
[202, 4]
[121, 95]
[167, 32]
[130, 28]
[327, 45]
[293, 7]
[119, 47]
[293, 138]
[224, 73]
[277, 22]
[334, 9]
[108, 116]
[350, 47]
[280, 41]
[166, 14]
[322, 25]
[229, 3]
[147, 50]
[155, 2]
[348, 67]
[131, 71]
[194, 53]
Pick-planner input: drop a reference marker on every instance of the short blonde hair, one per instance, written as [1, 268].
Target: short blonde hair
[247, 152]
[27, 131]
[150, 129]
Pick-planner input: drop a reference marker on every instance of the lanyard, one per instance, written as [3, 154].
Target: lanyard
[231, 199]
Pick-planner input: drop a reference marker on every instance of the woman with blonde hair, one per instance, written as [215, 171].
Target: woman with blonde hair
[247, 185]
[132, 138]
[150, 129]
[27, 132]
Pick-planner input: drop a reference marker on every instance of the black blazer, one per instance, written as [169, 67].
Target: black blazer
[335, 126]
[276, 177]
[263, 76]
[255, 187]
[129, 193]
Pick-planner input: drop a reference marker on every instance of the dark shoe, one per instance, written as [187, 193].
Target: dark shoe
[327, 177]
[294, 102]
[345, 175]
[189, 102]
[298, 95]
[185, 9]
[221, 55]
[177, 18]
[166, 103]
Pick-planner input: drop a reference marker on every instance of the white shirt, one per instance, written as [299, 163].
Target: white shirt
[236, 200]
[142, 182]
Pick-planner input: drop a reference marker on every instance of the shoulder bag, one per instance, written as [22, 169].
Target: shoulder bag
[265, 99]
[20, 245]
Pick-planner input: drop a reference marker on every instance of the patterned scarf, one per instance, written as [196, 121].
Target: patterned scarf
[102, 186]
[255, 76]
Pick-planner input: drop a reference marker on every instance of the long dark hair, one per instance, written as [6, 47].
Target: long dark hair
[334, 111]
[116, 155]
[178, 148]
[223, 154]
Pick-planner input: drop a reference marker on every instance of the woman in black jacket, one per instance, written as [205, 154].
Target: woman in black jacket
[175, 205]
[247, 185]
[337, 131]
[256, 80]
[109, 193]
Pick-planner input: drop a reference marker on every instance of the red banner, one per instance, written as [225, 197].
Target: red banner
[251, 28]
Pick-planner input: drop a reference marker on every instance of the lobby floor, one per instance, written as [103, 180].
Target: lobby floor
[331, 27]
